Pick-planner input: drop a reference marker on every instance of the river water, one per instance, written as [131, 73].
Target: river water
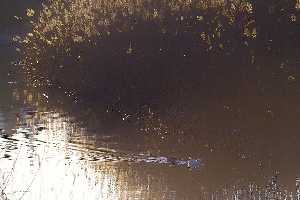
[228, 146]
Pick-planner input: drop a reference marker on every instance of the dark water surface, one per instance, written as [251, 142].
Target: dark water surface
[139, 116]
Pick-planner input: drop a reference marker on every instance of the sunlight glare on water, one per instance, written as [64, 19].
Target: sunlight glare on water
[43, 167]
[48, 156]
[150, 99]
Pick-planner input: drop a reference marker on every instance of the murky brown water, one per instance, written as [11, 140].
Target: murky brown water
[48, 152]
[136, 101]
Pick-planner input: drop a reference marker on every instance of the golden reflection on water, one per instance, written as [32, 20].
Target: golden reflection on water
[43, 166]
[48, 156]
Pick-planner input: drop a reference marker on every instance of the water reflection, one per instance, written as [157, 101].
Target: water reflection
[47, 155]
[217, 132]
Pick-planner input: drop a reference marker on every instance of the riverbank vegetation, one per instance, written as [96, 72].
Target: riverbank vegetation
[146, 51]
